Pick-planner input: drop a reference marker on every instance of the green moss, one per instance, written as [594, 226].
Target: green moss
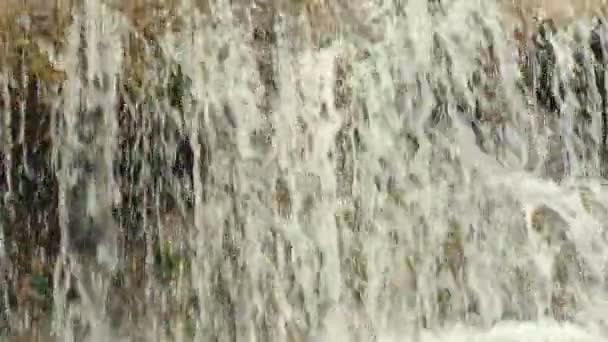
[40, 284]
[170, 263]
[36, 294]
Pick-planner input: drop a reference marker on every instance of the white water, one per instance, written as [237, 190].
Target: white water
[377, 237]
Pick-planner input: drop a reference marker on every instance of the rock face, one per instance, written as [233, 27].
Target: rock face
[91, 234]
[40, 7]
[44, 13]
[561, 11]
[525, 15]
[39, 17]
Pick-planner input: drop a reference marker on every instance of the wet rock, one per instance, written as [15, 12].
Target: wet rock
[549, 224]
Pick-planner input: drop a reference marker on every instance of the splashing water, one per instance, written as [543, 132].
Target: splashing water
[402, 180]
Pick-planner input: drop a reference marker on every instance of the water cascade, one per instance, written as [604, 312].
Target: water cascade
[306, 170]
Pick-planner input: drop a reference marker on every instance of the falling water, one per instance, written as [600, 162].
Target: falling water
[380, 171]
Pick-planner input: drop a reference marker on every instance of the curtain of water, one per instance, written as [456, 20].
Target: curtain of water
[85, 135]
[404, 176]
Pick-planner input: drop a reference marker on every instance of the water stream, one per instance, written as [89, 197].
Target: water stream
[395, 171]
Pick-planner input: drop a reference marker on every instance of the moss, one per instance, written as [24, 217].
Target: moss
[21, 30]
[35, 295]
[169, 262]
